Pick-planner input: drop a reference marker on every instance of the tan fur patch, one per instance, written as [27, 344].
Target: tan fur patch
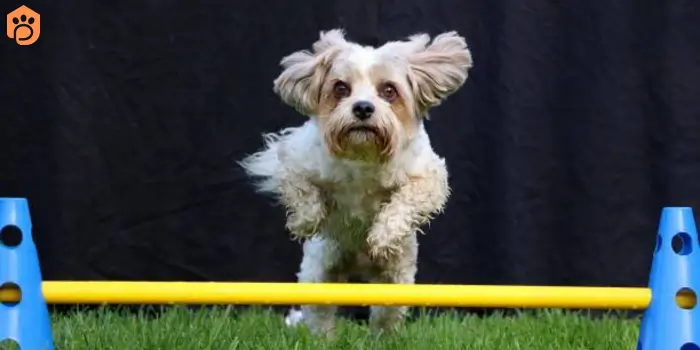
[402, 107]
[405, 115]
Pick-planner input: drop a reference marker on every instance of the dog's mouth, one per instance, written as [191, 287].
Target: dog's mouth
[361, 142]
[363, 129]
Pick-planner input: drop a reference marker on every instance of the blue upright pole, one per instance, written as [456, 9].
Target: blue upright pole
[27, 321]
[672, 320]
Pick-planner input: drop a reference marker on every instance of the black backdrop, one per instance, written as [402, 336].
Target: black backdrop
[122, 125]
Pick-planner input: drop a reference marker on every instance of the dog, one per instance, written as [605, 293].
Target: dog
[359, 178]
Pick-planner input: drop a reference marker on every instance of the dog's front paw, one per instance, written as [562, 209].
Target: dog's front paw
[384, 252]
[303, 225]
[382, 245]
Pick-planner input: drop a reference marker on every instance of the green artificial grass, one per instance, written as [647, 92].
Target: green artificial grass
[220, 329]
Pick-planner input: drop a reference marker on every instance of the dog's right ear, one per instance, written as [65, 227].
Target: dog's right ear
[300, 82]
[437, 69]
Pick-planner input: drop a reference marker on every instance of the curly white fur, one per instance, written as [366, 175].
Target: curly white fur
[357, 191]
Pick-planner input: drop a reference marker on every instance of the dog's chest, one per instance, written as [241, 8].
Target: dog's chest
[354, 199]
[358, 198]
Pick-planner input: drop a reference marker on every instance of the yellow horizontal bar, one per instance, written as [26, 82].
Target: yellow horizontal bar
[489, 296]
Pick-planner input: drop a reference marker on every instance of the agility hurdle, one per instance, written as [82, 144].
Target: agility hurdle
[671, 320]
[487, 296]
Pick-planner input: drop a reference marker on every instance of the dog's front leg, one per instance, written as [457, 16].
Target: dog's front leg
[320, 265]
[411, 206]
[304, 203]
[393, 244]
[399, 270]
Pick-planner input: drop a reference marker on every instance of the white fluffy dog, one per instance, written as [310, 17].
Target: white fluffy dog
[359, 178]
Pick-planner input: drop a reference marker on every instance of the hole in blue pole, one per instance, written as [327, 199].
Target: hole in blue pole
[690, 346]
[9, 344]
[658, 243]
[682, 244]
[11, 236]
[10, 294]
[686, 298]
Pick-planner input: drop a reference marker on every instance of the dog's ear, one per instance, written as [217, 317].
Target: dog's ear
[304, 71]
[437, 69]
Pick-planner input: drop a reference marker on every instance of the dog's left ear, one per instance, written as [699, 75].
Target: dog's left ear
[437, 70]
[300, 82]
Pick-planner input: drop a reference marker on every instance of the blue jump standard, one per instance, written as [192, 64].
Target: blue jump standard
[666, 325]
[26, 322]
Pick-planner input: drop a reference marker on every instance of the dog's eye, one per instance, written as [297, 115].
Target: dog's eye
[388, 92]
[341, 89]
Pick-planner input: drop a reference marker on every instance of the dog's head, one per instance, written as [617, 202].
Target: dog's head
[369, 101]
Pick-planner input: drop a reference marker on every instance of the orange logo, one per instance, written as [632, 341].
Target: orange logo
[23, 25]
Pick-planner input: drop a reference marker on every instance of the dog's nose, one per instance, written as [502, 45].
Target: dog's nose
[363, 110]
